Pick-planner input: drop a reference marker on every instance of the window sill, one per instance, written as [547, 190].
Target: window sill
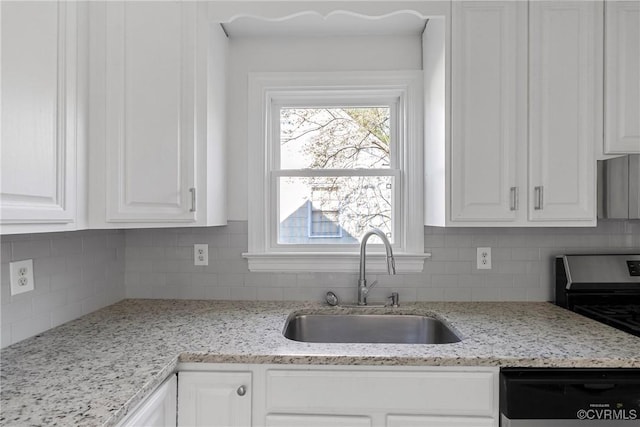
[335, 262]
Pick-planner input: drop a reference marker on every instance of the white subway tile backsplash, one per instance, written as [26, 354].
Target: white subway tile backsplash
[433, 241]
[79, 272]
[74, 273]
[138, 238]
[444, 254]
[66, 246]
[512, 294]
[223, 293]
[232, 279]
[444, 280]
[430, 294]
[204, 279]
[485, 294]
[525, 254]
[31, 326]
[522, 257]
[25, 249]
[62, 315]
[270, 294]
[243, 293]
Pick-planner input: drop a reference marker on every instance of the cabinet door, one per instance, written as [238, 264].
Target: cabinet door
[214, 399]
[622, 77]
[150, 85]
[159, 410]
[489, 116]
[565, 88]
[38, 149]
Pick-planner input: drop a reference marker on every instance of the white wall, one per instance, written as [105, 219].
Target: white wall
[298, 54]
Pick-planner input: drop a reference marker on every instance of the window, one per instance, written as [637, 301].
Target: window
[333, 165]
[333, 155]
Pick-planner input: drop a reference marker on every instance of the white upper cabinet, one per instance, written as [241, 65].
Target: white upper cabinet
[565, 102]
[40, 122]
[525, 115]
[622, 77]
[488, 92]
[150, 146]
[150, 112]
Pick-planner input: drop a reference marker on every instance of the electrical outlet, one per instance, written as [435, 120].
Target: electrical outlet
[201, 254]
[21, 273]
[484, 258]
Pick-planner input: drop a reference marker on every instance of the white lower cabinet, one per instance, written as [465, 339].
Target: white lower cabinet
[422, 421]
[215, 399]
[323, 396]
[159, 410]
[297, 420]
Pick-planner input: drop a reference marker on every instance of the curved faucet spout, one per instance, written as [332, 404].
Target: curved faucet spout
[363, 290]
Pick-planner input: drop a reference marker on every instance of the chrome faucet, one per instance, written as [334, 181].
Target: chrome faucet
[363, 290]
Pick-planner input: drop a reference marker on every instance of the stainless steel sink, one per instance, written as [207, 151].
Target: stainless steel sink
[368, 328]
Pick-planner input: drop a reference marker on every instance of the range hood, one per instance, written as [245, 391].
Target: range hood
[619, 188]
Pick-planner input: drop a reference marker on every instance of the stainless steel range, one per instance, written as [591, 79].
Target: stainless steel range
[603, 287]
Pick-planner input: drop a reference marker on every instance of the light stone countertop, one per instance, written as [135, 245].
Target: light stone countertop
[93, 370]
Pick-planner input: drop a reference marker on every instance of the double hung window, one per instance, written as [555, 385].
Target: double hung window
[333, 173]
[330, 158]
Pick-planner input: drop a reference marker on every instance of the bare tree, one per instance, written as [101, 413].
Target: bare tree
[344, 138]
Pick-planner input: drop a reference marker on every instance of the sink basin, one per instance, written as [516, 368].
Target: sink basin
[368, 328]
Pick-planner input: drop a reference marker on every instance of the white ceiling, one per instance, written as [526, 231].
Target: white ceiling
[311, 24]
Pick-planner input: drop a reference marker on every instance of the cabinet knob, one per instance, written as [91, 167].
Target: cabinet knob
[242, 390]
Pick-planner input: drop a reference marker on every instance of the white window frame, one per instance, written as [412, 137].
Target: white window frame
[268, 91]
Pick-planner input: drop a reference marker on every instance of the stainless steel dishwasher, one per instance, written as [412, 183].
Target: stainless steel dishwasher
[552, 397]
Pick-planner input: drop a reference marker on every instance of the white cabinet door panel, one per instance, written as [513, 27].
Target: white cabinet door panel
[565, 86]
[325, 391]
[622, 77]
[425, 421]
[488, 108]
[38, 147]
[159, 410]
[150, 140]
[317, 421]
[214, 399]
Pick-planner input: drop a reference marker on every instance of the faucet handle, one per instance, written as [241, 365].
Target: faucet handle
[394, 300]
[375, 282]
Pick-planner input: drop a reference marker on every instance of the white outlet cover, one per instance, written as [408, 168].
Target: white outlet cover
[21, 273]
[200, 254]
[484, 259]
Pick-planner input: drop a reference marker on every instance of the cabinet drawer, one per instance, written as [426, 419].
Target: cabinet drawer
[316, 421]
[361, 391]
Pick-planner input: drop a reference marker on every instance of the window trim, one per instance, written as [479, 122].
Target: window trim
[263, 87]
